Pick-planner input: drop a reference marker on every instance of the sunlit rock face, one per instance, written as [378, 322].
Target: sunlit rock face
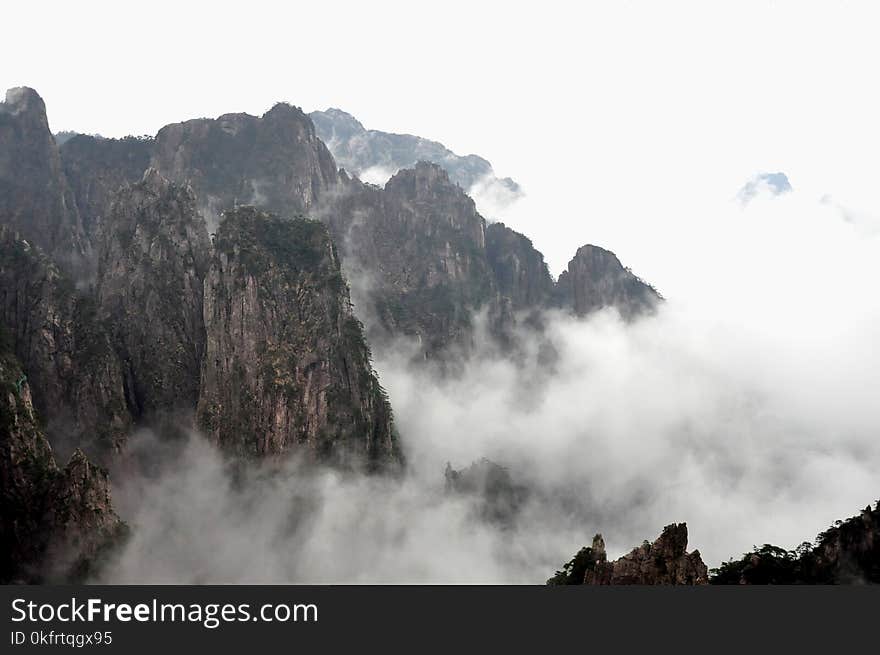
[286, 368]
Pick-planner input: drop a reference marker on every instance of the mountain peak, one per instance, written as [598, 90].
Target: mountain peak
[595, 278]
[23, 98]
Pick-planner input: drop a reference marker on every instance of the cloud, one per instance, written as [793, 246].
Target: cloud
[377, 175]
[494, 197]
[771, 183]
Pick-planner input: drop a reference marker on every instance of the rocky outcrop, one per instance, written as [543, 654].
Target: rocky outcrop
[520, 272]
[664, 562]
[417, 249]
[153, 258]
[359, 150]
[35, 199]
[595, 279]
[96, 168]
[287, 369]
[274, 161]
[55, 524]
[66, 351]
[847, 553]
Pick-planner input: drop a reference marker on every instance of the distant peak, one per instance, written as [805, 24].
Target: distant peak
[773, 184]
[284, 107]
[340, 116]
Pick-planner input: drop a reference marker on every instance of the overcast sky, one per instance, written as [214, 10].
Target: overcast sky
[627, 123]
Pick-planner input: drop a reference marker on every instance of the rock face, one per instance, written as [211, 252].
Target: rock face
[424, 262]
[287, 368]
[152, 263]
[418, 250]
[665, 562]
[847, 553]
[35, 199]
[77, 378]
[96, 168]
[520, 272]
[54, 523]
[274, 161]
[595, 279]
[359, 150]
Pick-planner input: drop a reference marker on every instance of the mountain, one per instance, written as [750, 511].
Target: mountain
[417, 249]
[181, 281]
[595, 279]
[77, 379]
[125, 345]
[847, 553]
[96, 168]
[423, 260]
[35, 198]
[55, 523]
[153, 258]
[520, 272]
[286, 368]
[664, 562]
[371, 154]
[274, 161]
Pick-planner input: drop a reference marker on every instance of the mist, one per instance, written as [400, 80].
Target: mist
[746, 406]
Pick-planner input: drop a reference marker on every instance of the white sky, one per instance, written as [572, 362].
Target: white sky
[624, 122]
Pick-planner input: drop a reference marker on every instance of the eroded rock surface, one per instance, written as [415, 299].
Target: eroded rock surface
[287, 369]
[55, 523]
[664, 562]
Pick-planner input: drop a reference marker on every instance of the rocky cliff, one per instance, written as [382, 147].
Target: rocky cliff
[274, 161]
[365, 152]
[287, 369]
[153, 258]
[664, 562]
[595, 279]
[417, 250]
[55, 523]
[35, 198]
[75, 374]
[520, 272]
[96, 168]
